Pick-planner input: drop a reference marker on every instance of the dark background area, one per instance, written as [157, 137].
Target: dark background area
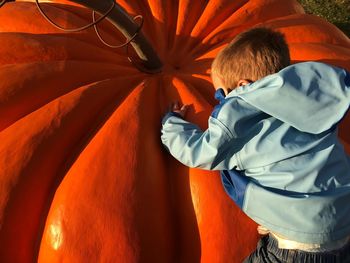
[335, 11]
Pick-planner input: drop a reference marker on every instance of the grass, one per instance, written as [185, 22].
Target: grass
[335, 11]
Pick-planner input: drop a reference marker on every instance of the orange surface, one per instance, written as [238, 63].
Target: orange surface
[83, 174]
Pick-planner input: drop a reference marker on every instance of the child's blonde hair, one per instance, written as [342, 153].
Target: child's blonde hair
[251, 55]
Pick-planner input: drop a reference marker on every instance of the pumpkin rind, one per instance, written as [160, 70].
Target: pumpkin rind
[83, 175]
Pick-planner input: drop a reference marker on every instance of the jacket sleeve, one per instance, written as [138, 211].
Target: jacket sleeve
[210, 149]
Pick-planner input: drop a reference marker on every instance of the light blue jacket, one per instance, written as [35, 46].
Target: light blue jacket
[276, 143]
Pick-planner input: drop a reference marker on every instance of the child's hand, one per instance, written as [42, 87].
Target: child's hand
[175, 107]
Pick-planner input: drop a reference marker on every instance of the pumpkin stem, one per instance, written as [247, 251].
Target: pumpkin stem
[150, 62]
[2, 2]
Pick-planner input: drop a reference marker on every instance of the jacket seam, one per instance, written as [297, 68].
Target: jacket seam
[239, 161]
[296, 231]
[224, 128]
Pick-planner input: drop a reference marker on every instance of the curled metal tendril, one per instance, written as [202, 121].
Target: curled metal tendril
[2, 2]
[94, 24]
[127, 41]
[74, 29]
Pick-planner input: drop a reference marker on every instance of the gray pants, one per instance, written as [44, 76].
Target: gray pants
[267, 251]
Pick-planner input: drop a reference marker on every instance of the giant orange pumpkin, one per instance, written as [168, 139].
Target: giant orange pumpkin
[83, 174]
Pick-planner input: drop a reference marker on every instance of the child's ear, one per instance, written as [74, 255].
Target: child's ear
[243, 82]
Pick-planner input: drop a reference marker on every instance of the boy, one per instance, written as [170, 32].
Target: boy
[274, 138]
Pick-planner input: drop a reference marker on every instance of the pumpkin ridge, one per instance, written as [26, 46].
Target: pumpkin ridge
[15, 106]
[107, 112]
[36, 17]
[243, 18]
[212, 22]
[165, 14]
[186, 19]
[207, 23]
[51, 48]
[313, 28]
[58, 164]
[118, 173]
[203, 86]
[171, 26]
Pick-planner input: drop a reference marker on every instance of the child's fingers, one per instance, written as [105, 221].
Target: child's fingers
[176, 105]
[183, 110]
[173, 106]
[184, 107]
